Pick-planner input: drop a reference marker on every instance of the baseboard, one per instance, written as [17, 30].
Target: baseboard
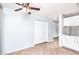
[6, 53]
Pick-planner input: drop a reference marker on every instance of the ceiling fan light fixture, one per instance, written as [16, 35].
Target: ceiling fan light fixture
[29, 13]
[24, 9]
[28, 10]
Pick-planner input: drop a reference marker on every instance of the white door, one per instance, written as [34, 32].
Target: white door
[41, 32]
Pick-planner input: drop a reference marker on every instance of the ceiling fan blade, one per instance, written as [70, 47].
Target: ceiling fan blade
[19, 4]
[18, 9]
[22, 4]
[34, 8]
[28, 4]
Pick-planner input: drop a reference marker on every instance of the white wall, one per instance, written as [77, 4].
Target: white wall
[0, 30]
[51, 30]
[18, 31]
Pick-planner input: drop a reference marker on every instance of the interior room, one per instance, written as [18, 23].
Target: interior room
[39, 29]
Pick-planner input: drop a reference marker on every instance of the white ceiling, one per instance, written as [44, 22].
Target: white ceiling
[47, 9]
[15, 6]
[10, 5]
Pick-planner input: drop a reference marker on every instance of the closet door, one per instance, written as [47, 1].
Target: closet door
[40, 31]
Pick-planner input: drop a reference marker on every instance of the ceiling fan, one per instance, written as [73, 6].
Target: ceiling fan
[26, 7]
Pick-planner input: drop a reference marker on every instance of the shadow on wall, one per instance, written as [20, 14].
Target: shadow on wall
[1, 26]
[0, 30]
